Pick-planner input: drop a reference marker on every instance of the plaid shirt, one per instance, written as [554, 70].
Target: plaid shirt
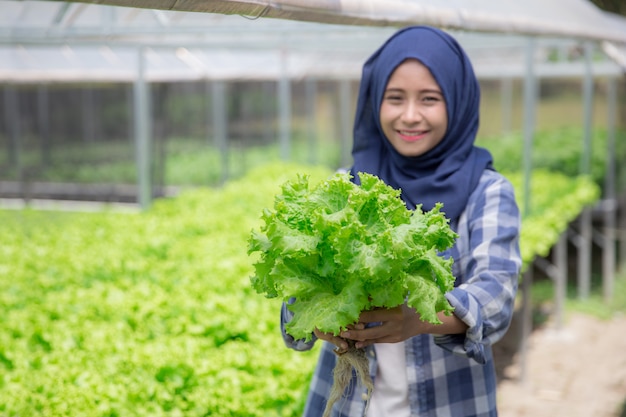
[451, 375]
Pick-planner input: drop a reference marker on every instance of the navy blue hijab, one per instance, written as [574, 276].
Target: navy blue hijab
[450, 171]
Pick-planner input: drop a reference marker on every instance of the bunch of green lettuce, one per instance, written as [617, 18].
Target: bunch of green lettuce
[339, 249]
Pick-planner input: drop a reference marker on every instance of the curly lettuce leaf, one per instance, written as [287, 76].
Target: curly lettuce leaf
[339, 248]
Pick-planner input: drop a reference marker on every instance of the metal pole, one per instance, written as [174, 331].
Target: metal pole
[530, 95]
[88, 114]
[588, 90]
[527, 322]
[530, 99]
[220, 125]
[130, 103]
[310, 89]
[142, 132]
[622, 236]
[43, 117]
[12, 119]
[560, 261]
[284, 110]
[506, 104]
[584, 249]
[346, 116]
[609, 256]
[269, 112]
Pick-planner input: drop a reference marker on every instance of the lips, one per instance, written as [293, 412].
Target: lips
[412, 135]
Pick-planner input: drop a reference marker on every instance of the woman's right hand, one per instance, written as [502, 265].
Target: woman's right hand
[339, 342]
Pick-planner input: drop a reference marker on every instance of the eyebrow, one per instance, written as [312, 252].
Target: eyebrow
[426, 90]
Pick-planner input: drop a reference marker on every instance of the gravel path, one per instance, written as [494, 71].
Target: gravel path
[578, 370]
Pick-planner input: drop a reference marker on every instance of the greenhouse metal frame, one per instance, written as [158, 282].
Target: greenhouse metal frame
[142, 41]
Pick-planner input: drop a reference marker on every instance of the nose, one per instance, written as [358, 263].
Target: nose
[412, 112]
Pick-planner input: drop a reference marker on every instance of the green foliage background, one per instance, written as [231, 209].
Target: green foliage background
[560, 150]
[193, 162]
[152, 313]
[147, 314]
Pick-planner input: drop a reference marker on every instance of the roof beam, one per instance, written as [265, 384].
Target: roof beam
[569, 18]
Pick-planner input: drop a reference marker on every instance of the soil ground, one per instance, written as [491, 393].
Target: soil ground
[575, 370]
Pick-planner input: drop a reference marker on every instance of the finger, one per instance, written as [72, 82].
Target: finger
[356, 326]
[341, 344]
[360, 344]
[372, 333]
[329, 337]
[363, 345]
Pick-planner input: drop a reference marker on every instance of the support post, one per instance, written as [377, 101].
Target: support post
[506, 104]
[560, 261]
[43, 123]
[530, 94]
[530, 99]
[142, 132]
[220, 126]
[284, 110]
[527, 322]
[345, 112]
[12, 119]
[584, 253]
[608, 254]
[88, 114]
[310, 90]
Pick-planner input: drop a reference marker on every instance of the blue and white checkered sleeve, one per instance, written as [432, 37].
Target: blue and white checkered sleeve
[290, 342]
[490, 269]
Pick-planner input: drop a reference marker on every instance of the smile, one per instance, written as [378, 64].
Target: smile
[412, 135]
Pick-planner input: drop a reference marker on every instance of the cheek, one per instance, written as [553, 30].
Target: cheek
[444, 123]
[385, 114]
[445, 116]
[440, 118]
[386, 119]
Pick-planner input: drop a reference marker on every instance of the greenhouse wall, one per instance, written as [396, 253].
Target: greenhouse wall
[82, 133]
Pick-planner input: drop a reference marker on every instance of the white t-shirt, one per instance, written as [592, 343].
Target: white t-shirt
[390, 397]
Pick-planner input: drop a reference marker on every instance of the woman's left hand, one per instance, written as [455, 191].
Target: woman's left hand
[396, 325]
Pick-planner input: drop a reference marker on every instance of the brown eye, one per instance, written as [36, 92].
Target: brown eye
[393, 97]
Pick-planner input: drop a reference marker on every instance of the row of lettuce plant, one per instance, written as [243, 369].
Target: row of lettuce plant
[556, 200]
[560, 150]
[188, 161]
[152, 313]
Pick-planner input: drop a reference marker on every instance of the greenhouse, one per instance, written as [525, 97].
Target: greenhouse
[138, 105]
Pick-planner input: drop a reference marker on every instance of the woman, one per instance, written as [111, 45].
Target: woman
[416, 123]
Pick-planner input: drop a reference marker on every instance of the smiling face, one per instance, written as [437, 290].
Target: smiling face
[413, 112]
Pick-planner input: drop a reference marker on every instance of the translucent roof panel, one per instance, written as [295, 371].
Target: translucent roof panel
[616, 50]
[57, 41]
[570, 18]
[121, 63]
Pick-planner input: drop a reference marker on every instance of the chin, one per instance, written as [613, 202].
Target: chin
[411, 153]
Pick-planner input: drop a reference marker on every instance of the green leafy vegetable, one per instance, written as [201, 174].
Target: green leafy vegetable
[339, 249]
